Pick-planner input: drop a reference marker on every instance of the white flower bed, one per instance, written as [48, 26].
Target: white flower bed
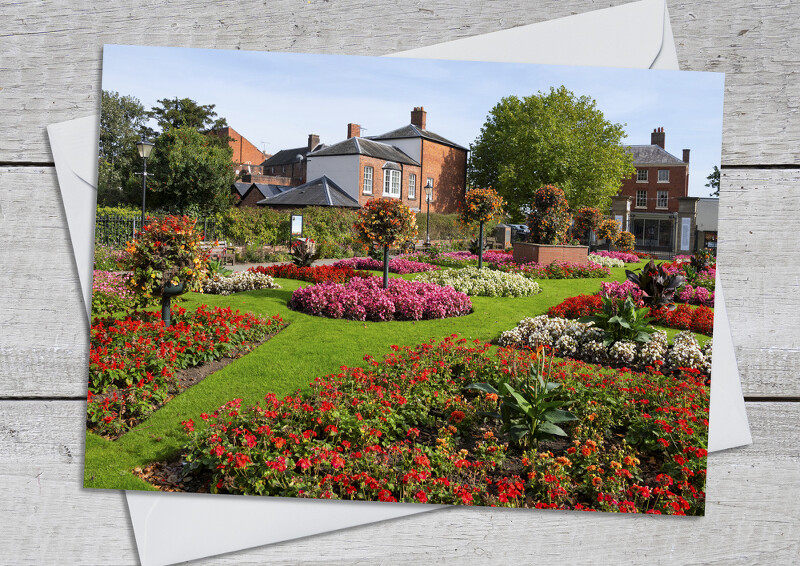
[582, 341]
[606, 261]
[237, 282]
[483, 282]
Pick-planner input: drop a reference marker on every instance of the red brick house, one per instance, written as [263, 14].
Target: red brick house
[247, 158]
[290, 163]
[396, 164]
[650, 201]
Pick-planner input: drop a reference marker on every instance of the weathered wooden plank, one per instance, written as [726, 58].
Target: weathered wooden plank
[45, 354]
[47, 518]
[42, 84]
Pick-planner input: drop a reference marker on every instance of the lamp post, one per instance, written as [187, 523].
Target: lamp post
[144, 147]
[428, 194]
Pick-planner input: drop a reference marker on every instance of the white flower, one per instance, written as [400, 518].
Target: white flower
[483, 282]
[237, 282]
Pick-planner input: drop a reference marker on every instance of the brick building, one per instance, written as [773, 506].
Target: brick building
[247, 158]
[290, 164]
[396, 164]
[654, 203]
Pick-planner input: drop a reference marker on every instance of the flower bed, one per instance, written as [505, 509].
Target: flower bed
[110, 292]
[366, 299]
[606, 261]
[582, 341]
[557, 270]
[237, 282]
[627, 257]
[696, 296]
[132, 362]
[685, 317]
[397, 265]
[405, 430]
[314, 274]
[483, 282]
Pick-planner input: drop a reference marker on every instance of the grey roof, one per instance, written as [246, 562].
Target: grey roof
[241, 188]
[268, 190]
[287, 156]
[652, 155]
[319, 192]
[364, 146]
[412, 131]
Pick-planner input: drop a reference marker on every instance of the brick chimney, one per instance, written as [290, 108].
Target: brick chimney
[686, 156]
[313, 141]
[418, 117]
[353, 131]
[657, 137]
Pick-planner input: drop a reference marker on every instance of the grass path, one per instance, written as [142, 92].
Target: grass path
[309, 347]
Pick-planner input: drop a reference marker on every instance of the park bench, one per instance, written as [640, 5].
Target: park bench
[220, 251]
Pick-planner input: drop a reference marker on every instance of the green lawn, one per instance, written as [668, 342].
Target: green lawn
[309, 347]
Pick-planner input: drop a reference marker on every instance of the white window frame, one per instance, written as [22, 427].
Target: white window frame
[391, 183]
[639, 175]
[368, 177]
[641, 196]
[662, 196]
[666, 175]
[412, 186]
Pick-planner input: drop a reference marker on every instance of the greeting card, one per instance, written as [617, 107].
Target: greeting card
[403, 280]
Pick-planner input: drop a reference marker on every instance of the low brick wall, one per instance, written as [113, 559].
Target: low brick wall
[527, 253]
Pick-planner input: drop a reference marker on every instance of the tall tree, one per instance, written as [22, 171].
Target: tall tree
[550, 139]
[713, 181]
[191, 174]
[122, 121]
[186, 113]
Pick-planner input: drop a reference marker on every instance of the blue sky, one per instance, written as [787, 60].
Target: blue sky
[276, 99]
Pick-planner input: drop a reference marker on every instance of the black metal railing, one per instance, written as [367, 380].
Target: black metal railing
[115, 231]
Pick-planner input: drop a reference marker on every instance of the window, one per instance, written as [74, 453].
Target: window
[641, 175]
[641, 199]
[391, 183]
[663, 175]
[412, 186]
[663, 199]
[367, 180]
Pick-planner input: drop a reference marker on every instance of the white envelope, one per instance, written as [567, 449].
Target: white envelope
[171, 528]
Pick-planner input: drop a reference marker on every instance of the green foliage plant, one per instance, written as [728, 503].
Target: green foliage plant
[622, 321]
[304, 251]
[550, 218]
[528, 408]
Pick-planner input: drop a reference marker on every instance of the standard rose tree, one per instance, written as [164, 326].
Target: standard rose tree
[166, 260]
[481, 205]
[385, 222]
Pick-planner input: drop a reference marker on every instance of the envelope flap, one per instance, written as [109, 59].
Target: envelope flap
[631, 35]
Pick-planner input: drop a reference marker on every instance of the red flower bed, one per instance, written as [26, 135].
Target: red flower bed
[698, 319]
[132, 362]
[405, 430]
[315, 274]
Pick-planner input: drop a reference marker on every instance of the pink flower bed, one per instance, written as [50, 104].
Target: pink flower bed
[366, 299]
[624, 256]
[622, 290]
[696, 296]
[397, 265]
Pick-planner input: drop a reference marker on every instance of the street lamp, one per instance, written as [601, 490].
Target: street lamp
[144, 147]
[428, 194]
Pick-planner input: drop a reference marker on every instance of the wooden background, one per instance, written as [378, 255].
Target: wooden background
[50, 55]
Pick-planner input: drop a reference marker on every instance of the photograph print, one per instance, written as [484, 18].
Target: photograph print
[403, 280]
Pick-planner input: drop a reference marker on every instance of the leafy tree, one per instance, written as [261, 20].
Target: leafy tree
[713, 181]
[190, 173]
[550, 139]
[122, 121]
[185, 113]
